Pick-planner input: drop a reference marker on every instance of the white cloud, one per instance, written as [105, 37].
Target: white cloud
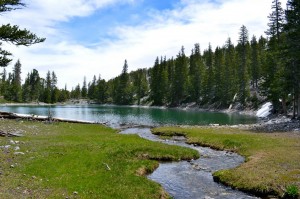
[190, 22]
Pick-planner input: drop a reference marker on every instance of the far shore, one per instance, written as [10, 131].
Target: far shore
[188, 107]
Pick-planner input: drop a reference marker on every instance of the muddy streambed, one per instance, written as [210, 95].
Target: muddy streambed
[193, 179]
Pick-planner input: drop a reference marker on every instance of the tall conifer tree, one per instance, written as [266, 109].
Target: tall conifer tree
[196, 74]
[292, 29]
[16, 87]
[273, 85]
[209, 91]
[243, 56]
[180, 81]
[84, 88]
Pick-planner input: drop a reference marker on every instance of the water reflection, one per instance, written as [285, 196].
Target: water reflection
[116, 115]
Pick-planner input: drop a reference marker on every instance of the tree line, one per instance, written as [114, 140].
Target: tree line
[242, 75]
[34, 89]
[246, 74]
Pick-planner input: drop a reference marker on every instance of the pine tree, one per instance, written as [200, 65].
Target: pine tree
[32, 88]
[123, 92]
[180, 81]
[255, 66]
[84, 89]
[243, 58]
[163, 69]
[54, 89]
[101, 90]
[16, 86]
[140, 84]
[64, 95]
[170, 71]
[220, 77]
[292, 29]
[92, 89]
[273, 72]
[231, 86]
[196, 74]
[159, 82]
[9, 87]
[155, 84]
[47, 88]
[208, 83]
[77, 92]
[13, 34]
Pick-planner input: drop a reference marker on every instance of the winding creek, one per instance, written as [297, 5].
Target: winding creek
[183, 179]
[193, 179]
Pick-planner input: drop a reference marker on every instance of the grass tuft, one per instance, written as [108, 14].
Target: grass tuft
[292, 191]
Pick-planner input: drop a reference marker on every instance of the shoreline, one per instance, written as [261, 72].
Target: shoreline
[270, 123]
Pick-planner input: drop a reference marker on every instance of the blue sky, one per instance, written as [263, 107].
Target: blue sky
[102, 22]
[94, 37]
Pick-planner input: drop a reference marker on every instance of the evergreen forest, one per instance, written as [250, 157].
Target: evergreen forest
[239, 76]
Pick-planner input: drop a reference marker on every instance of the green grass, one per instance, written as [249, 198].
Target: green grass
[272, 160]
[64, 159]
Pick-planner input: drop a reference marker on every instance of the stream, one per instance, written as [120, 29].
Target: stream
[193, 179]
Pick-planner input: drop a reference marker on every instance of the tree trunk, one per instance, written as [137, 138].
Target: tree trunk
[294, 106]
[284, 109]
[298, 107]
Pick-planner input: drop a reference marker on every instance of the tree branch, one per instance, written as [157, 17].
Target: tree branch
[9, 5]
[18, 37]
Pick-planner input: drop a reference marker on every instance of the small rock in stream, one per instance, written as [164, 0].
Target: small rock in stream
[205, 156]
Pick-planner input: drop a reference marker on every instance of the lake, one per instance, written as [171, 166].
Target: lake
[115, 116]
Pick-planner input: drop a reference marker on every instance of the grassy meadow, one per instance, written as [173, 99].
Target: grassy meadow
[272, 159]
[65, 160]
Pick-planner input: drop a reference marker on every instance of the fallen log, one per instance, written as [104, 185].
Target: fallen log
[8, 115]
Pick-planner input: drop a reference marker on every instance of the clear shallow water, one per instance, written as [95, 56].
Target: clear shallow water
[119, 115]
[193, 179]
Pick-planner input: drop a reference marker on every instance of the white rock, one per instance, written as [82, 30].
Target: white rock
[17, 148]
[12, 142]
[265, 110]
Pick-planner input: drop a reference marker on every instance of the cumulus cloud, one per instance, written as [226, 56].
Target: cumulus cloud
[163, 33]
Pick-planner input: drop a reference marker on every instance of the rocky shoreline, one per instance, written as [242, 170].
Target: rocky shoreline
[275, 124]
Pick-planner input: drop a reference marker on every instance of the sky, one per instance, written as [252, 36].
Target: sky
[94, 37]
